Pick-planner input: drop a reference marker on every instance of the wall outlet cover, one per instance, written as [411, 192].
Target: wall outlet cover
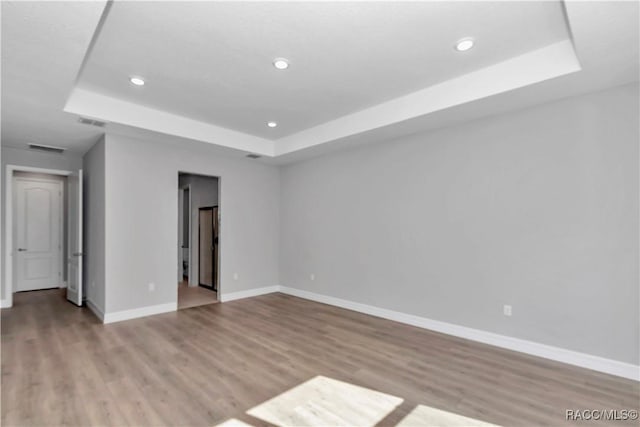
[507, 310]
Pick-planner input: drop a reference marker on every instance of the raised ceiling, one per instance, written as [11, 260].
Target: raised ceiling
[43, 46]
[359, 70]
[212, 62]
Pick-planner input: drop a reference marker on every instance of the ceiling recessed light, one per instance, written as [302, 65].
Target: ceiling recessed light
[464, 44]
[272, 124]
[136, 81]
[281, 63]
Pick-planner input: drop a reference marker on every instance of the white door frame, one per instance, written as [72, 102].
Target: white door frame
[9, 285]
[220, 253]
[183, 188]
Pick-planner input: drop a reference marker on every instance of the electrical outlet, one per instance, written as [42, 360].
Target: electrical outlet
[312, 276]
[235, 276]
[152, 287]
[506, 310]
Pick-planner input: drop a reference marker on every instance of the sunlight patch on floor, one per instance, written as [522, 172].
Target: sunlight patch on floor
[423, 415]
[323, 401]
[233, 422]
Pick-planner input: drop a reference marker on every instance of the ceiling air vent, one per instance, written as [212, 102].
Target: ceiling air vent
[47, 148]
[91, 122]
[253, 156]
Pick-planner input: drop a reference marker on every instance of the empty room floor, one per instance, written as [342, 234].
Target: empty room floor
[194, 296]
[265, 361]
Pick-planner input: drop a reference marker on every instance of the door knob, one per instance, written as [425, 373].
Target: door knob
[21, 249]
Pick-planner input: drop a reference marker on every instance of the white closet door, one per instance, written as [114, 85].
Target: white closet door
[38, 243]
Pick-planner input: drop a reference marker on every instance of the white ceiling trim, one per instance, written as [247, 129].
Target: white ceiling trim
[533, 67]
[90, 104]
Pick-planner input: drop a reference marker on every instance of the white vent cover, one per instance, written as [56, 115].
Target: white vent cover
[91, 122]
[48, 148]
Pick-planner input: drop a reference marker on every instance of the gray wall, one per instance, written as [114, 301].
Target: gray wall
[204, 193]
[536, 208]
[20, 157]
[142, 219]
[94, 238]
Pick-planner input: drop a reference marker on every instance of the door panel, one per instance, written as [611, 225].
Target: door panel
[205, 252]
[216, 252]
[38, 203]
[37, 268]
[180, 234]
[38, 254]
[74, 261]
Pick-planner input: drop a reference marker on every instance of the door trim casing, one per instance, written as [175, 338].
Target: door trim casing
[61, 222]
[221, 228]
[8, 286]
[186, 187]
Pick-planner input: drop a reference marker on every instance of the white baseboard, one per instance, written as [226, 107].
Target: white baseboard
[94, 309]
[118, 316]
[571, 357]
[248, 293]
[63, 285]
[5, 303]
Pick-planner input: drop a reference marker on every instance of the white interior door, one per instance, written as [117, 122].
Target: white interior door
[38, 234]
[74, 263]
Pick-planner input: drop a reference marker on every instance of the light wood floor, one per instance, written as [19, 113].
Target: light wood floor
[194, 296]
[205, 365]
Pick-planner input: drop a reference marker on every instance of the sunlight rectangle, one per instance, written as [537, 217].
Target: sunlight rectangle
[233, 422]
[423, 415]
[323, 401]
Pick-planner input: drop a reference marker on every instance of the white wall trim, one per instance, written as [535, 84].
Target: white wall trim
[5, 303]
[40, 170]
[571, 357]
[249, 293]
[118, 316]
[8, 221]
[94, 309]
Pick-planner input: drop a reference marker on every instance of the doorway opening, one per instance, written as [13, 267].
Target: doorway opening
[43, 223]
[198, 240]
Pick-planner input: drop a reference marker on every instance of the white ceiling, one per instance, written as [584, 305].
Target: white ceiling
[360, 72]
[43, 45]
[213, 61]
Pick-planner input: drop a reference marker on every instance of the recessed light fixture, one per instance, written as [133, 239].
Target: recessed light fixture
[272, 124]
[136, 81]
[281, 63]
[464, 44]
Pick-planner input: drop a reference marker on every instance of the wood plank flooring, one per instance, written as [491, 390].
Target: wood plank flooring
[194, 296]
[203, 366]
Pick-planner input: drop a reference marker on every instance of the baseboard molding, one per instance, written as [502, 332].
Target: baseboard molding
[5, 303]
[94, 309]
[118, 316]
[248, 293]
[558, 354]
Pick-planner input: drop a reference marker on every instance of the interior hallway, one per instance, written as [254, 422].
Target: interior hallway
[194, 296]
